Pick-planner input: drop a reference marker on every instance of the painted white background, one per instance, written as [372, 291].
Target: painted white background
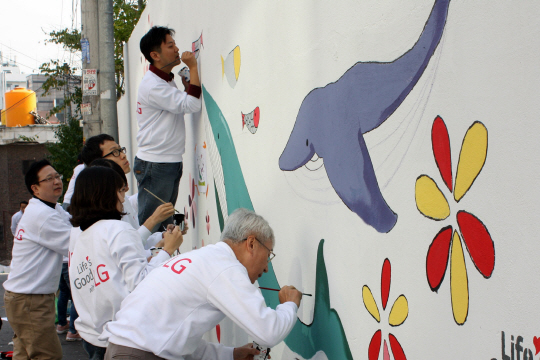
[486, 68]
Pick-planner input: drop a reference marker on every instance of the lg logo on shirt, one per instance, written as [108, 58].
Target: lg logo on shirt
[19, 234]
[139, 110]
[176, 268]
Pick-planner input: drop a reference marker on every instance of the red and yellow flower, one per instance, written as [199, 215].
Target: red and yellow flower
[398, 315]
[432, 203]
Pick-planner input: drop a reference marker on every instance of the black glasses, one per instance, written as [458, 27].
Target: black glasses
[52, 178]
[116, 152]
[272, 255]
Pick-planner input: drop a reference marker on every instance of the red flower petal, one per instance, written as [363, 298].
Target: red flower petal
[385, 282]
[437, 257]
[440, 142]
[374, 346]
[478, 242]
[397, 350]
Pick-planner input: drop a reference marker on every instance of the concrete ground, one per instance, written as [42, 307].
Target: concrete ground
[73, 350]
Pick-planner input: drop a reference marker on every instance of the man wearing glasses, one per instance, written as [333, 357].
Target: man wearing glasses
[97, 147]
[103, 146]
[194, 291]
[41, 240]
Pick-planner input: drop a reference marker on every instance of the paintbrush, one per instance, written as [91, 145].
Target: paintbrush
[265, 288]
[154, 195]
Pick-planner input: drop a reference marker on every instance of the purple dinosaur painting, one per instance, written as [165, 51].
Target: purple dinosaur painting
[332, 121]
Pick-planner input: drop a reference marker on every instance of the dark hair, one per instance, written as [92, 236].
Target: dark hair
[152, 40]
[23, 202]
[31, 177]
[95, 196]
[111, 165]
[91, 150]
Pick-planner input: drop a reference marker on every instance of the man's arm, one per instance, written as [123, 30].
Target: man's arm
[54, 234]
[233, 293]
[173, 100]
[191, 62]
[14, 222]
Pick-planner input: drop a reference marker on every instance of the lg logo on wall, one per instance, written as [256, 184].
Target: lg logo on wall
[515, 350]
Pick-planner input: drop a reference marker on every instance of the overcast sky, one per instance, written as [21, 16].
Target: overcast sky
[24, 26]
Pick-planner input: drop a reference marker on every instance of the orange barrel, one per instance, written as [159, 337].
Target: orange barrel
[3, 117]
[19, 103]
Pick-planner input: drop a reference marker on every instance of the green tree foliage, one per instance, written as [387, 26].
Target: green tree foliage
[63, 154]
[61, 77]
[126, 14]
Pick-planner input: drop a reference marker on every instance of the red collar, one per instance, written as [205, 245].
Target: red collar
[162, 74]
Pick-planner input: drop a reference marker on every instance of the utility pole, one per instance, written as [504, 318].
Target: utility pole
[90, 26]
[67, 79]
[98, 29]
[106, 73]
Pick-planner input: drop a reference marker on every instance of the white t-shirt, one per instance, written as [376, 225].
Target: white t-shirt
[107, 261]
[187, 296]
[71, 185]
[130, 208]
[160, 114]
[41, 240]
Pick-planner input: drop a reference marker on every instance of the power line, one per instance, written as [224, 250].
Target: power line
[31, 58]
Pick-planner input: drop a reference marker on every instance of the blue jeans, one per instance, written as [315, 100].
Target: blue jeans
[94, 352]
[162, 179]
[63, 298]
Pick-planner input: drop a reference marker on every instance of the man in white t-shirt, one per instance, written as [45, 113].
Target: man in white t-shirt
[193, 292]
[160, 114]
[17, 217]
[42, 239]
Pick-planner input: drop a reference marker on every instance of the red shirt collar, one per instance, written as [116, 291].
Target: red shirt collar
[162, 74]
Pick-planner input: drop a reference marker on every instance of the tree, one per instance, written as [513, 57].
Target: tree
[61, 77]
[64, 153]
[126, 14]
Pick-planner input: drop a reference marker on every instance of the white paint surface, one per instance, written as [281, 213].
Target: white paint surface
[486, 69]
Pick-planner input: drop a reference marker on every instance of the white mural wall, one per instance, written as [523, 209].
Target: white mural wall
[400, 180]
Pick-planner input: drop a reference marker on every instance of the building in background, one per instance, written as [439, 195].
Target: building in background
[19, 148]
[11, 77]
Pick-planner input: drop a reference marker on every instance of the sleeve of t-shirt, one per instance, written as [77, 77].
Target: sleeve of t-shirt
[176, 101]
[127, 250]
[153, 240]
[54, 234]
[233, 293]
[144, 234]
[14, 222]
[210, 351]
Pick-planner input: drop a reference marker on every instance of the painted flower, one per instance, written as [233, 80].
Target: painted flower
[398, 315]
[191, 202]
[432, 203]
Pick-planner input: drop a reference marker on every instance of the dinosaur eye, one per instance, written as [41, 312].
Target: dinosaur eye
[307, 142]
[218, 136]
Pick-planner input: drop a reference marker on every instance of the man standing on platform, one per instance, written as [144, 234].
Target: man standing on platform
[160, 114]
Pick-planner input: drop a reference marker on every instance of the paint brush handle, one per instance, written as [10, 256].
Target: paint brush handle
[265, 288]
[154, 195]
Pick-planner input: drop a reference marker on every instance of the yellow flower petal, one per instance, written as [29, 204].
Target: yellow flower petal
[369, 303]
[430, 201]
[471, 159]
[459, 286]
[399, 312]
